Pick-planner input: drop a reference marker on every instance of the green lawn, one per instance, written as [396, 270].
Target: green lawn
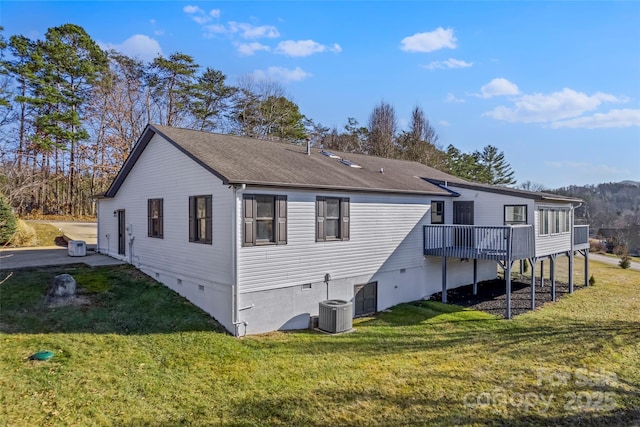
[140, 355]
[46, 233]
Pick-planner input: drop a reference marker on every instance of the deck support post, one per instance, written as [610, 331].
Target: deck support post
[552, 268]
[533, 262]
[507, 276]
[475, 276]
[444, 279]
[522, 267]
[570, 254]
[542, 273]
[586, 267]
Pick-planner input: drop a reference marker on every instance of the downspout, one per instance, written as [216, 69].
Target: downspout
[234, 263]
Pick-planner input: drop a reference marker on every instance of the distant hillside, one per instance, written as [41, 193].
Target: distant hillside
[612, 205]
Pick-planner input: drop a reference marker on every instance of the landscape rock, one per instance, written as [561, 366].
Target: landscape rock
[62, 286]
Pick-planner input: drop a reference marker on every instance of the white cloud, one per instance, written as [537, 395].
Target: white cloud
[444, 123]
[428, 42]
[498, 87]
[540, 108]
[248, 31]
[451, 99]
[612, 119]
[249, 49]
[281, 74]
[192, 9]
[449, 63]
[213, 29]
[301, 48]
[156, 31]
[137, 46]
[199, 15]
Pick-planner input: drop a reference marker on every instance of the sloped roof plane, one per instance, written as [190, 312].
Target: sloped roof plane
[242, 160]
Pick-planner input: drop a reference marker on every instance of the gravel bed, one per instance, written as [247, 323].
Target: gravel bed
[491, 296]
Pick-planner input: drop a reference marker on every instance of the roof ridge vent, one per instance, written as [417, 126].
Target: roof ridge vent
[350, 164]
[329, 154]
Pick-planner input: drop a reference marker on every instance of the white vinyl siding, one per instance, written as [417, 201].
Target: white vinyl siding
[488, 207]
[552, 228]
[385, 234]
[162, 171]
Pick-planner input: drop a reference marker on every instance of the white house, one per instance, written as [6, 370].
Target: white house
[257, 233]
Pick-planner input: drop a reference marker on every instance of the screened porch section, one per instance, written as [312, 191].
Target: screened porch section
[499, 243]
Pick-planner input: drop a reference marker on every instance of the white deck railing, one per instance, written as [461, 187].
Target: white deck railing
[479, 242]
[580, 236]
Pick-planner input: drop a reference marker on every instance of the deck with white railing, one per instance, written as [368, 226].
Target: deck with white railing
[502, 243]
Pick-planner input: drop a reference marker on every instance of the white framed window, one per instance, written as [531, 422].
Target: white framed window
[515, 214]
[554, 221]
[437, 212]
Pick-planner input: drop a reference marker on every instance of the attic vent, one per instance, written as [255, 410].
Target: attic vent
[329, 154]
[350, 164]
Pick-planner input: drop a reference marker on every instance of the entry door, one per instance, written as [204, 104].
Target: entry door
[366, 299]
[463, 215]
[122, 232]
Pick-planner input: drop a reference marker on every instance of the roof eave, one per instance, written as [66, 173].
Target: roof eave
[444, 193]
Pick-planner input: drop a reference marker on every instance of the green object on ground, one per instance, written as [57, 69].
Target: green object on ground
[42, 355]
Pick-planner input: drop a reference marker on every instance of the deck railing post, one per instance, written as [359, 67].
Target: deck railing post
[571, 271]
[586, 267]
[552, 266]
[475, 276]
[507, 273]
[444, 279]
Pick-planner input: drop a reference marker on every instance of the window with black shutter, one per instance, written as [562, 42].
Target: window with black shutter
[264, 219]
[332, 218]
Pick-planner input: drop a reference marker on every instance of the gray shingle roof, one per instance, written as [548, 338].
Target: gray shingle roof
[241, 160]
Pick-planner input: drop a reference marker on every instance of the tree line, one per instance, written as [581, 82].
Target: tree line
[71, 112]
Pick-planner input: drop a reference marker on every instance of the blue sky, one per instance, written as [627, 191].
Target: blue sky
[554, 85]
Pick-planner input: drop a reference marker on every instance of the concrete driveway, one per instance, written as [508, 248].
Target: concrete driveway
[11, 259]
[612, 261]
[15, 258]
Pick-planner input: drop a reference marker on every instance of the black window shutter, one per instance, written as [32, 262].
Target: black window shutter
[345, 219]
[248, 220]
[149, 217]
[160, 218]
[281, 216]
[192, 218]
[209, 222]
[320, 215]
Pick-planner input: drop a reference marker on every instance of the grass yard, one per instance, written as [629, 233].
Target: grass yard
[140, 355]
[46, 233]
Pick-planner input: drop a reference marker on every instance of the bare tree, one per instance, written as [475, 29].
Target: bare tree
[419, 142]
[382, 131]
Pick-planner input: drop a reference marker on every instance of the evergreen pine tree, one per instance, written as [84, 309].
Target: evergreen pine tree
[8, 223]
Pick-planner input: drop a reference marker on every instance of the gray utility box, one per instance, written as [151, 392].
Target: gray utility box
[77, 248]
[335, 316]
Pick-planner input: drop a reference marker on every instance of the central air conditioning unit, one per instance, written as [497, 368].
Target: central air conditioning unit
[335, 316]
[77, 248]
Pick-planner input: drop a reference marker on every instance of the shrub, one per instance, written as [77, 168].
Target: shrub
[620, 250]
[597, 246]
[25, 235]
[8, 225]
[592, 280]
[625, 262]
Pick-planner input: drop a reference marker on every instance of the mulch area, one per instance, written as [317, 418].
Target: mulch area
[491, 296]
